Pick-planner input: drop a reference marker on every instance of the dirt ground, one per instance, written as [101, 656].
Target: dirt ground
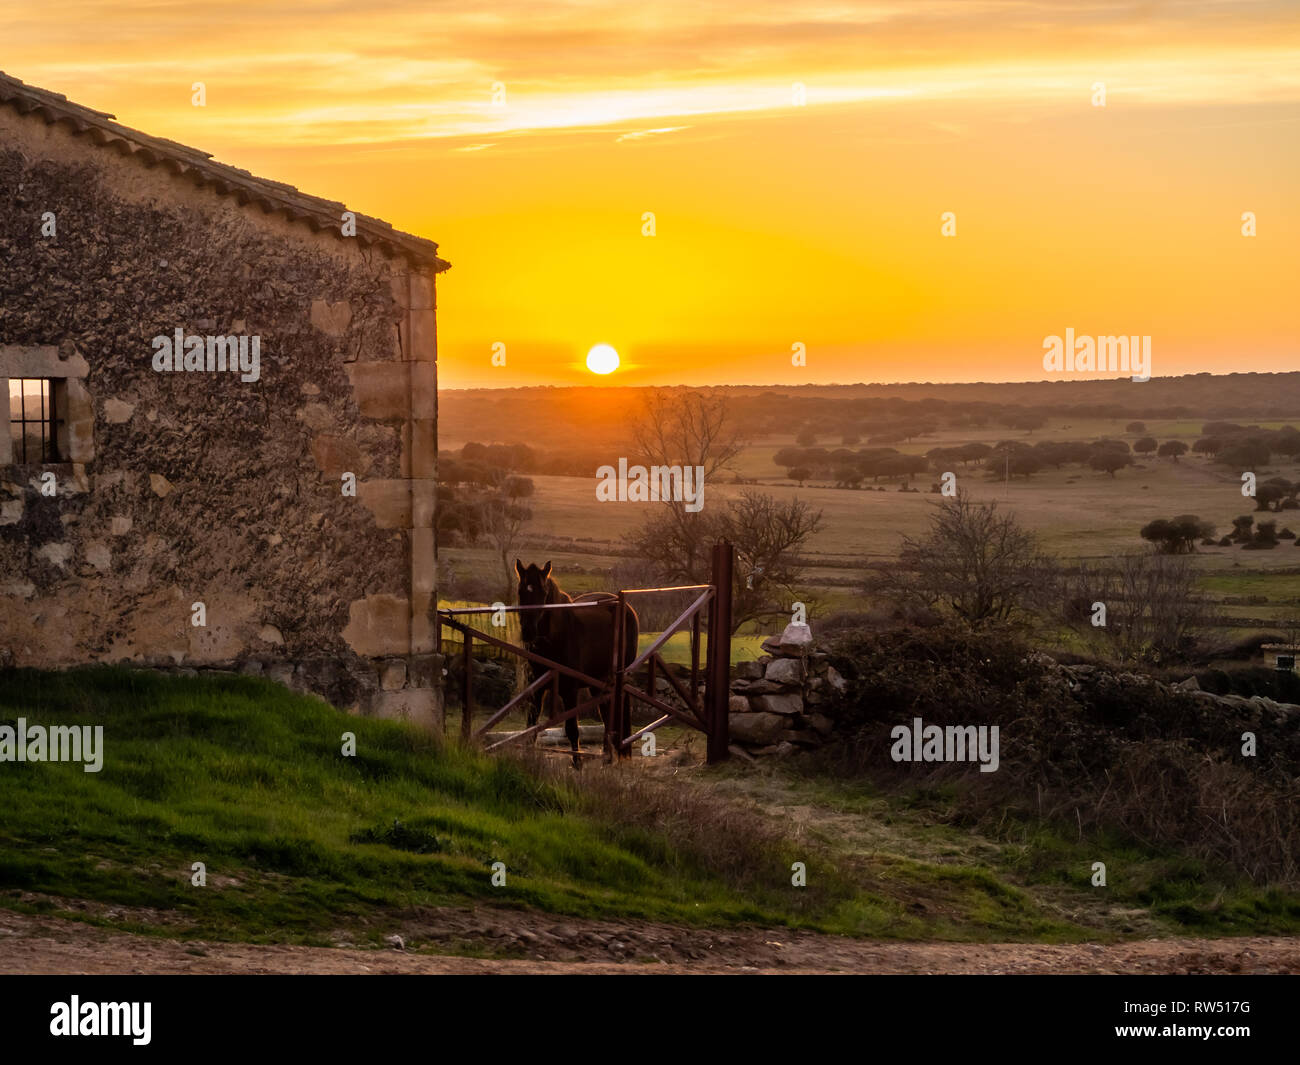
[531, 943]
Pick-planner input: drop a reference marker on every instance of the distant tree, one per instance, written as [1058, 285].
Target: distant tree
[943, 458]
[1241, 528]
[1105, 444]
[1265, 537]
[975, 563]
[905, 466]
[910, 429]
[799, 473]
[1208, 445]
[689, 428]
[1161, 533]
[1272, 493]
[807, 437]
[1286, 441]
[1051, 453]
[459, 520]
[1024, 464]
[1172, 449]
[1247, 454]
[1027, 420]
[1146, 445]
[1178, 535]
[1109, 460]
[913, 465]
[502, 521]
[847, 474]
[1076, 451]
[767, 534]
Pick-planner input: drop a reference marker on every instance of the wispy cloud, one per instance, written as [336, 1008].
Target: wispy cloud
[403, 71]
[642, 134]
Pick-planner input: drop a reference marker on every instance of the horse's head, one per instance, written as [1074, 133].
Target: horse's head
[532, 592]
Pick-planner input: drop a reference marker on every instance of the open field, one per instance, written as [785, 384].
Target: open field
[1077, 513]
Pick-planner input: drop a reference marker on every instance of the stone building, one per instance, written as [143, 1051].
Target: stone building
[261, 498]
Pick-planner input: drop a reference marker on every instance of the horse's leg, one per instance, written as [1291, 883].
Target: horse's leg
[606, 709]
[534, 707]
[568, 698]
[602, 714]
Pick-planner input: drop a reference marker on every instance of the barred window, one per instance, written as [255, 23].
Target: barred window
[34, 419]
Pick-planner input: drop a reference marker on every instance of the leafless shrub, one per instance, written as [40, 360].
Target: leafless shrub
[1153, 610]
[975, 564]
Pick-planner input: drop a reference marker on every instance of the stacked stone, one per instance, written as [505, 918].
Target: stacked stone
[779, 702]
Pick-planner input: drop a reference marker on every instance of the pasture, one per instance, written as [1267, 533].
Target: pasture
[1077, 513]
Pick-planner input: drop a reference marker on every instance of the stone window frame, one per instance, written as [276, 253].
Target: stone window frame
[76, 444]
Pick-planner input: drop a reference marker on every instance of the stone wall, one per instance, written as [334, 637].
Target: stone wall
[179, 488]
[779, 703]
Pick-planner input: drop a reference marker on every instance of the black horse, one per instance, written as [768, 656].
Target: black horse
[580, 639]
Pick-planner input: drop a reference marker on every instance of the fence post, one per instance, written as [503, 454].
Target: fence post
[620, 723]
[467, 706]
[720, 654]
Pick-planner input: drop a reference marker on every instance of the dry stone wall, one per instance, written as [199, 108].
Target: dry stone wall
[779, 703]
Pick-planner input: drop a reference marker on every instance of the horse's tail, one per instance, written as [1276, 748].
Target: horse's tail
[631, 634]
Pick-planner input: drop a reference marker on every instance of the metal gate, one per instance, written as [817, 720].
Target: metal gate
[709, 613]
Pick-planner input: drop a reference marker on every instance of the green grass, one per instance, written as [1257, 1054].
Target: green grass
[249, 779]
[299, 841]
[302, 844]
[1148, 891]
[677, 651]
[1279, 588]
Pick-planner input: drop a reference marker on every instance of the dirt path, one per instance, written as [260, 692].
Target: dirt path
[541, 944]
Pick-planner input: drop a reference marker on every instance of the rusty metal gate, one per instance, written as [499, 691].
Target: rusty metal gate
[709, 614]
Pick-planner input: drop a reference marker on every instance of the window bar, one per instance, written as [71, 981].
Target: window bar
[54, 427]
[22, 413]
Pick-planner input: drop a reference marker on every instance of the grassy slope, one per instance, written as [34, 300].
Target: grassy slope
[297, 840]
[299, 843]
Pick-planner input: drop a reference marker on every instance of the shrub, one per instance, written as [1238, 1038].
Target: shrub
[1101, 751]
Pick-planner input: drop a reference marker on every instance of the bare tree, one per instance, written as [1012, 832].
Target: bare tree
[694, 428]
[686, 427]
[690, 427]
[1153, 613]
[766, 534]
[503, 517]
[974, 563]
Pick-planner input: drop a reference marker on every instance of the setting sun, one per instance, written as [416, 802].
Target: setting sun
[602, 359]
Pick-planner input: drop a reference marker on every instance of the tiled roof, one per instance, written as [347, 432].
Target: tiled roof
[200, 167]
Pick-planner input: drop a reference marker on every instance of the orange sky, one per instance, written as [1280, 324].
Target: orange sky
[776, 224]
